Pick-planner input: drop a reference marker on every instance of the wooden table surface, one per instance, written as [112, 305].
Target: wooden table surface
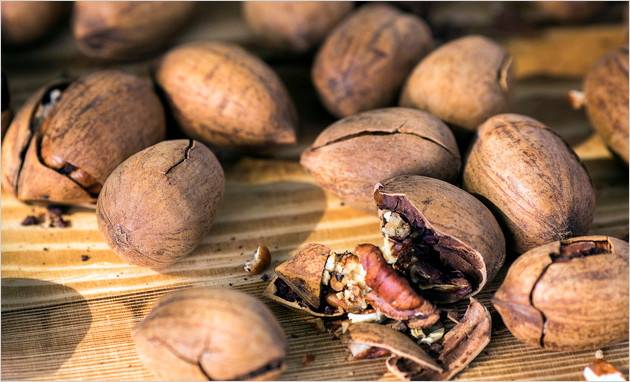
[68, 319]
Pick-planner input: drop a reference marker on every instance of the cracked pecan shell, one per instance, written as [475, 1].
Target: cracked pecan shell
[211, 334]
[69, 136]
[606, 94]
[157, 206]
[365, 59]
[356, 152]
[452, 227]
[226, 97]
[462, 82]
[568, 295]
[532, 181]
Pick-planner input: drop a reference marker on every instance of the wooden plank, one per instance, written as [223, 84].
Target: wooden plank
[68, 319]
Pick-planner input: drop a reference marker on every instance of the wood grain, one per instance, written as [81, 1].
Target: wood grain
[68, 319]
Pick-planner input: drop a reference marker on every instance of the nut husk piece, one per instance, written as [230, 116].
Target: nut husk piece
[125, 30]
[224, 96]
[7, 105]
[211, 334]
[293, 26]
[568, 295]
[460, 346]
[157, 206]
[66, 154]
[384, 337]
[606, 94]
[365, 59]
[354, 153]
[279, 291]
[457, 225]
[463, 82]
[531, 179]
[25, 22]
[303, 272]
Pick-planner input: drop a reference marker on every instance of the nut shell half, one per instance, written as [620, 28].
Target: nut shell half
[211, 334]
[224, 96]
[365, 59]
[606, 94]
[567, 304]
[531, 179]
[467, 235]
[354, 153]
[157, 206]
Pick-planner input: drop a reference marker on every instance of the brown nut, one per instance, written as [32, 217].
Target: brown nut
[568, 295]
[365, 59]
[124, 30]
[531, 179]
[363, 336]
[291, 25]
[224, 96]
[157, 206]
[606, 96]
[459, 347]
[211, 334]
[565, 11]
[352, 154]
[463, 82]
[7, 105]
[68, 137]
[25, 22]
[445, 240]
[260, 261]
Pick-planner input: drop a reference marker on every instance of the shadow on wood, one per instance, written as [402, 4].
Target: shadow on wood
[37, 341]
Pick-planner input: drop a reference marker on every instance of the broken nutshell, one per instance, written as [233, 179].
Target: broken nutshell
[354, 153]
[568, 295]
[445, 241]
[157, 206]
[53, 150]
[260, 261]
[463, 82]
[124, 30]
[226, 97]
[363, 62]
[458, 348]
[293, 26]
[211, 334]
[531, 179]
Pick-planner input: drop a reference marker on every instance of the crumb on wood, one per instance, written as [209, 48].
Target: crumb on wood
[30, 220]
[85, 257]
[264, 277]
[307, 359]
